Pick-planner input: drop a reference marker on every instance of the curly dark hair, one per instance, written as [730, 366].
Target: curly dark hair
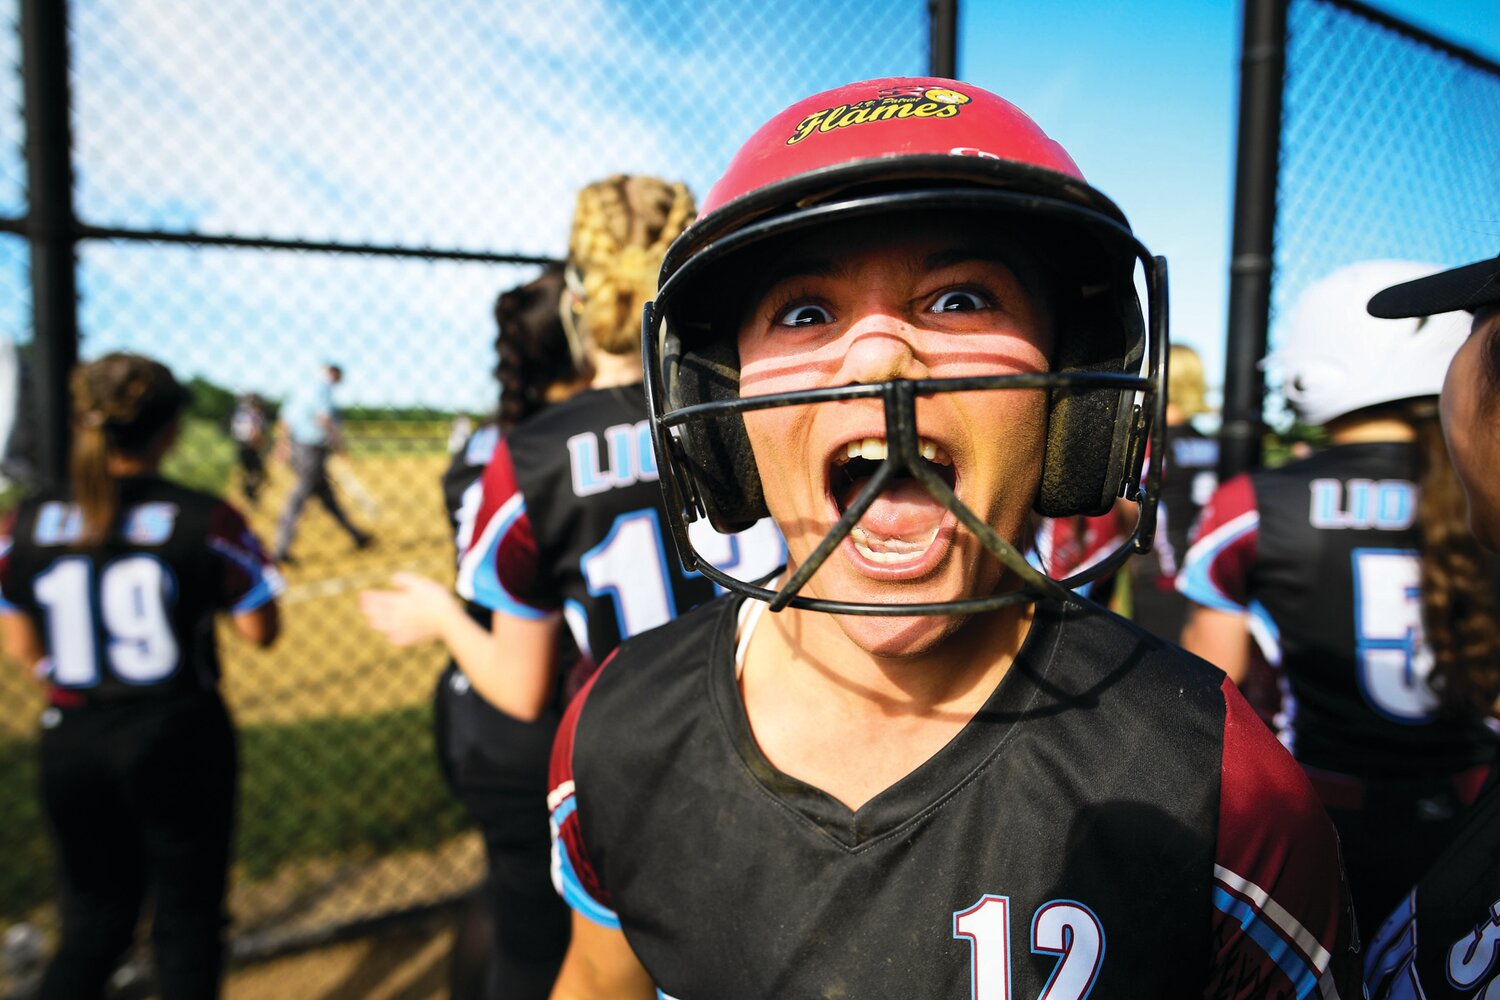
[532, 346]
[1458, 600]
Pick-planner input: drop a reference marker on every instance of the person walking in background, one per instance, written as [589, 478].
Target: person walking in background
[1359, 583]
[568, 528]
[248, 429]
[1442, 941]
[108, 592]
[310, 433]
[1189, 477]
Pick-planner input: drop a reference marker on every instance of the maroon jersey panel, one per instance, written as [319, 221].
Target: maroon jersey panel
[1113, 822]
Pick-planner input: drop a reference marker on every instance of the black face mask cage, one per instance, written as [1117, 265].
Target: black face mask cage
[1147, 420]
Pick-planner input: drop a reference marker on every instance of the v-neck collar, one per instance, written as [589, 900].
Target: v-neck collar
[912, 797]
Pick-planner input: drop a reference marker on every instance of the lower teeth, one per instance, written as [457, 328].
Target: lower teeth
[909, 551]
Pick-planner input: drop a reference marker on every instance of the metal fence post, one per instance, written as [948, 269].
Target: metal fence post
[1262, 69]
[50, 225]
[942, 60]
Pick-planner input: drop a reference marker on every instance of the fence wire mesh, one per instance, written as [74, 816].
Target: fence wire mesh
[12, 150]
[1387, 149]
[395, 126]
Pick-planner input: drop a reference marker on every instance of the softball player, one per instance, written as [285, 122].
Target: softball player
[1354, 574]
[569, 525]
[1189, 478]
[497, 764]
[1442, 942]
[903, 323]
[109, 591]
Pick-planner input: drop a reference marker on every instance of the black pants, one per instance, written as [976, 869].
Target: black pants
[140, 797]
[497, 766]
[310, 463]
[253, 468]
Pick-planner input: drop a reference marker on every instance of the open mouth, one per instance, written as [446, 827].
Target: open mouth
[902, 523]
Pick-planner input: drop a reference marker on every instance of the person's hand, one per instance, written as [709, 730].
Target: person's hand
[413, 611]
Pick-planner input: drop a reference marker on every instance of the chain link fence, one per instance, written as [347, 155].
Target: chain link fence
[430, 152]
[1388, 148]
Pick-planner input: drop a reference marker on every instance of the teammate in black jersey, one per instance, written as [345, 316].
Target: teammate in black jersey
[1354, 573]
[510, 945]
[1443, 940]
[109, 590]
[903, 323]
[568, 525]
[1189, 477]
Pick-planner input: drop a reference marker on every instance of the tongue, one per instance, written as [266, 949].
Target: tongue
[905, 510]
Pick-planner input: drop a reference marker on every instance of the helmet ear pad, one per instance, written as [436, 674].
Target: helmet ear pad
[716, 449]
[1083, 468]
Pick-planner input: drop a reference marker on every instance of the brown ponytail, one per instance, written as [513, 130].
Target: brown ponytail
[621, 230]
[532, 346]
[1458, 599]
[122, 403]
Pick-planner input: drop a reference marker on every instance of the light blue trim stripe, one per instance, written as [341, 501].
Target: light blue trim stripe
[488, 590]
[1303, 977]
[266, 583]
[7, 605]
[261, 593]
[573, 892]
[1195, 582]
[1267, 634]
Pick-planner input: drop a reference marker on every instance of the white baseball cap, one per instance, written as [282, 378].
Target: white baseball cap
[1336, 358]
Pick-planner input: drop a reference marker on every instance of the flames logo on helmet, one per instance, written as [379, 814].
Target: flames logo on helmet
[813, 167]
[895, 104]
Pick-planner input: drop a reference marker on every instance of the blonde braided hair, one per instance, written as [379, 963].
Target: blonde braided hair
[621, 230]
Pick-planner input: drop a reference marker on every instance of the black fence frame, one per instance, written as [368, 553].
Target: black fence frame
[53, 229]
[53, 232]
[1257, 170]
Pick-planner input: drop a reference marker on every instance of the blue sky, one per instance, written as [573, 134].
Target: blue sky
[1144, 96]
[468, 124]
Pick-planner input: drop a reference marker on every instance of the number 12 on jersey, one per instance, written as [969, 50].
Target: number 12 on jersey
[1061, 927]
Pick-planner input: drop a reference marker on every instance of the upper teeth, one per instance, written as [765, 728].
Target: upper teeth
[875, 450]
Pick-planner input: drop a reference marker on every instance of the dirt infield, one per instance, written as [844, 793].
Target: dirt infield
[405, 965]
[327, 660]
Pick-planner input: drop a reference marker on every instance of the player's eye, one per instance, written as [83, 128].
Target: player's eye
[960, 300]
[803, 314]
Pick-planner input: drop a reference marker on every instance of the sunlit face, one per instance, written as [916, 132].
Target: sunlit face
[1471, 425]
[874, 302]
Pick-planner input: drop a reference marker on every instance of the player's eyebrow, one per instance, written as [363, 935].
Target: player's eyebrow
[982, 253]
[786, 270]
[799, 267]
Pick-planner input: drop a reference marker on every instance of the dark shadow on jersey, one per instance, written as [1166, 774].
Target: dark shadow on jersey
[1129, 862]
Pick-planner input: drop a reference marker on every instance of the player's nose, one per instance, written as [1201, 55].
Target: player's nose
[877, 347]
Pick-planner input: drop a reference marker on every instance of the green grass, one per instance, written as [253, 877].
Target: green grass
[202, 457]
[335, 787]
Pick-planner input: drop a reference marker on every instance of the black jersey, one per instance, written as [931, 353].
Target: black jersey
[571, 520]
[133, 617]
[1113, 822]
[1188, 480]
[1321, 555]
[1443, 941]
[462, 487]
